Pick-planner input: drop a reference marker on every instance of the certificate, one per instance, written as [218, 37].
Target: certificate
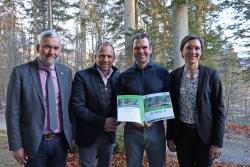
[150, 108]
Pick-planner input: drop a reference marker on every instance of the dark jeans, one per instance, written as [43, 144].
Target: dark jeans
[99, 154]
[191, 151]
[51, 153]
[152, 140]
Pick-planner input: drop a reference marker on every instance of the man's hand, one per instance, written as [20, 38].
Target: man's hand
[144, 125]
[110, 124]
[138, 125]
[214, 152]
[20, 156]
[171, 145]
[147, 125]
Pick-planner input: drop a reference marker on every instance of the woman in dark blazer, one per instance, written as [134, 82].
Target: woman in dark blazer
[197, 131]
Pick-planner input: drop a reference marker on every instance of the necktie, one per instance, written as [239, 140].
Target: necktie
[51, 102]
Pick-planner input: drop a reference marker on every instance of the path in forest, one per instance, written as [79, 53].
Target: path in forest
[236, 149]
[2, 122]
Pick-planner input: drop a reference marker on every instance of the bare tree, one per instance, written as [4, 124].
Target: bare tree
[50, 20]
[129, 20]
[83, 54]
[180, 29]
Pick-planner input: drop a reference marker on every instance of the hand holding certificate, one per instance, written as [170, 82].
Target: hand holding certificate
[150, 108]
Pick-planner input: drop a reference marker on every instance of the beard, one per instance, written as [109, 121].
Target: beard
[47, 60]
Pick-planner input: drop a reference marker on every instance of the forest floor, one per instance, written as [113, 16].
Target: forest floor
[236, 151]
[236, 147]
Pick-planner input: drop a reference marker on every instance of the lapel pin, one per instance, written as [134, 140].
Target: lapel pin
[62, 73]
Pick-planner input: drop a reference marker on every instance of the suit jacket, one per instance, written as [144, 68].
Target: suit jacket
[25, 113]
[87, 106]
[209, 104]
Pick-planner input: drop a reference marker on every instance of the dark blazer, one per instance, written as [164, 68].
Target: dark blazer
[87, 106]
[25, 106]
[209, 104]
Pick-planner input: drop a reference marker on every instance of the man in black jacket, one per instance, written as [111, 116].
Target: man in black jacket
[93, 103]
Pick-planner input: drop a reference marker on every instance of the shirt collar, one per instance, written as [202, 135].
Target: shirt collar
[110, 72]
[150, 64]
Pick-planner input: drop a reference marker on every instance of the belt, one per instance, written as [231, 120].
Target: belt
[50, 136]
[186, 125]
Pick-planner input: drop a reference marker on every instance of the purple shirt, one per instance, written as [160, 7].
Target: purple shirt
[43, 77]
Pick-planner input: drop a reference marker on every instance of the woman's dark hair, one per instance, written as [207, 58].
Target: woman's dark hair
[191, 37]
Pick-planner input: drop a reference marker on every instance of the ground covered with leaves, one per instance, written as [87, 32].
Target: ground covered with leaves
[171, 160]
[118, 160]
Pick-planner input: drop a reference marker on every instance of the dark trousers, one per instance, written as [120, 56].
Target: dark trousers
[191, 151]
[151, 140]
[51, 153]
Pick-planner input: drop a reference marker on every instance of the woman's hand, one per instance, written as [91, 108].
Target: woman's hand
[171, 145]
[215, 152]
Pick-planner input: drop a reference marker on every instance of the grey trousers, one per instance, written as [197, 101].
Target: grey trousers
[99, 154]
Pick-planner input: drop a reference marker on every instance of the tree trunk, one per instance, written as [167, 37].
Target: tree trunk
[35, 22]
[180, 30]
[83, 58]
[155, 36]
[129, 18]
[50, 21]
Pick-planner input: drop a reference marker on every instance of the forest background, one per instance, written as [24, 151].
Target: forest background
[83, 24]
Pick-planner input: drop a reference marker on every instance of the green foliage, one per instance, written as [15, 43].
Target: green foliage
[8, 3]
[180, 2]
[202, 15]
[241, 24]
[245, 66]
[119, 146]
[213, 44]
[155, 19]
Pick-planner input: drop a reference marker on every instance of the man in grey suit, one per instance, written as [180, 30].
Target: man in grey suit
[28, 112]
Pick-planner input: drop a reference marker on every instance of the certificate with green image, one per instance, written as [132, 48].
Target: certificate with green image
[150, 108]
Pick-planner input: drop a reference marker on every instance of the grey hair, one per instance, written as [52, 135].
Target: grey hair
[49, 34]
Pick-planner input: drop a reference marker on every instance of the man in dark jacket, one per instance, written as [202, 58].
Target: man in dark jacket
[38, 125]
[93, 103]
[142, 78]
